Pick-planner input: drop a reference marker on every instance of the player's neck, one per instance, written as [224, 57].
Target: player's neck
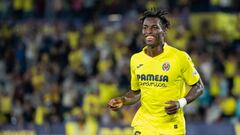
[153, 51]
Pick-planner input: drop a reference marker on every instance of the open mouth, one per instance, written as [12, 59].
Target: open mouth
[150, 38]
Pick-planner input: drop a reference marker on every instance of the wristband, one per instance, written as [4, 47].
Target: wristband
[182, 102]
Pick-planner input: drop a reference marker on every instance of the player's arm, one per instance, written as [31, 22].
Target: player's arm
[132, 96]
[195, 91]
[192, 78]
[129, 98]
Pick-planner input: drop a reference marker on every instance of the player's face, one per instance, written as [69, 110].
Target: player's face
[152, 31]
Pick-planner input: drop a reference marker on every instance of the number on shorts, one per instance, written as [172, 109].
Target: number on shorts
[137, 133]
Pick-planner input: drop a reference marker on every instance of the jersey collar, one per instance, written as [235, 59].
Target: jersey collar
[165, 50]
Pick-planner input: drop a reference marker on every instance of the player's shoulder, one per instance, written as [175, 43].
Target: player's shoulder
[137, 55]
[136, 59]
[181, 55]
[176, 51]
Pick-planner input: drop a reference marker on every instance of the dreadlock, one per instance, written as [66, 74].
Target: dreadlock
[157, 14]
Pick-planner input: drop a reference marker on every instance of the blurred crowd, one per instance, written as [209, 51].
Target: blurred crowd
[63, 60]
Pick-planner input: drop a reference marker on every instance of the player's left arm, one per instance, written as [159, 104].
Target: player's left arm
[193, 79]
[195, 91]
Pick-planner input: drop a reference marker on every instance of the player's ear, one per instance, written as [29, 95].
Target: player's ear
[164, 33]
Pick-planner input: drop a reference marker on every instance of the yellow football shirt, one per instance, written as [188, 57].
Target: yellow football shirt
[160, 79]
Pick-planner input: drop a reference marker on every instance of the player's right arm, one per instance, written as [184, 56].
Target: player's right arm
[133, 95]
[129, 98]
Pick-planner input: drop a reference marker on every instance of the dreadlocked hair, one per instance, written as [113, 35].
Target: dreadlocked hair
[156, 13]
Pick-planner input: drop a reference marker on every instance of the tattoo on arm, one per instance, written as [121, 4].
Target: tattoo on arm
[195, 91]
[131, 97]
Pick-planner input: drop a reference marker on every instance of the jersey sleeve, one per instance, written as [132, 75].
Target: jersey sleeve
[189, 73]
[134, 80]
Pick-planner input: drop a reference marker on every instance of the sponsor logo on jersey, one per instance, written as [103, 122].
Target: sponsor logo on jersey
[139, 65]
[151, 80]
[153, 84]
[152, 77]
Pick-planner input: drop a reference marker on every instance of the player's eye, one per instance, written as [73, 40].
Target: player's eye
[155, 27]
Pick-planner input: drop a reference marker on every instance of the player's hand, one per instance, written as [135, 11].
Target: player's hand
[115, 104]
[172, 107]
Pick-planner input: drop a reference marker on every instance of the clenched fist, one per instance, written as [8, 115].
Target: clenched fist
[115, 103]
[172, 107]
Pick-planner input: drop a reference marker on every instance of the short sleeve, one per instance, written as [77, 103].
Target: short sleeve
[188, 70]
[134, 80]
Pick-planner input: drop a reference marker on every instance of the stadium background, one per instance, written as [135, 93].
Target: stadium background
[62, 60]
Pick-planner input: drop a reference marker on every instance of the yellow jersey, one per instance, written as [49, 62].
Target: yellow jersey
[161, 78]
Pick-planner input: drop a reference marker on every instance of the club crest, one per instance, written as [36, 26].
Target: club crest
[165, 66]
